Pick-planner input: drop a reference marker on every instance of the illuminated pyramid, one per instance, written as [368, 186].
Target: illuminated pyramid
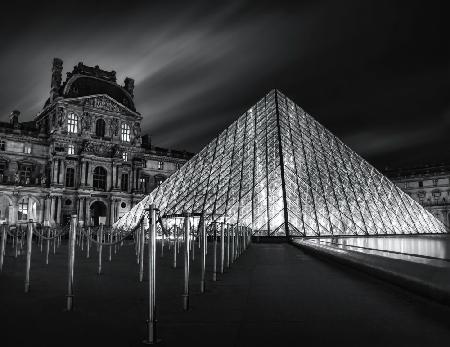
[280, 172]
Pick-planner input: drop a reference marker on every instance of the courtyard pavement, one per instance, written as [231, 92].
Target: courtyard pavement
[274, 295]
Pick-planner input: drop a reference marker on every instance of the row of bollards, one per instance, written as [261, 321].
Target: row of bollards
[233, 240]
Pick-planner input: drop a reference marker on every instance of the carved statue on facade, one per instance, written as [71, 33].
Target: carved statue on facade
[114, 126]
[60, 116]
[86, 121]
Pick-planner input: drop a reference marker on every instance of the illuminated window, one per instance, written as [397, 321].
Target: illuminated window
[125, 132]
[70, 177]
[22, 213]
[99, 179]
[125, 156]
[159, 180]
[3, 168]
[71, 149]
[2, 145]
[100, 127]
[27, 148]
[160, 165]
[72, 123]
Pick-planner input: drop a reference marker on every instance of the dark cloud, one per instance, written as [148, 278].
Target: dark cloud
[374, 73]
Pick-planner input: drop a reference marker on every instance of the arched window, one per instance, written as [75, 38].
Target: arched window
[100, 127]
[70, 177]
[25, 170]
[99, 179]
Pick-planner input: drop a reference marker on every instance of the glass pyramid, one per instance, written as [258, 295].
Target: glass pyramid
[280, 172]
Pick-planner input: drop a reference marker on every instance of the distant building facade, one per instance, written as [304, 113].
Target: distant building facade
[82, 154]
[428, 185]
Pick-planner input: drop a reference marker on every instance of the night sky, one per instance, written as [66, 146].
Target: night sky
[377, 74]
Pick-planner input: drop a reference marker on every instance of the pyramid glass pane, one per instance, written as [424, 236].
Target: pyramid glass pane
[280, 172]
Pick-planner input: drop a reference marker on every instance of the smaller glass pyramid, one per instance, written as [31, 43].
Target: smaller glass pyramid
[280, 172]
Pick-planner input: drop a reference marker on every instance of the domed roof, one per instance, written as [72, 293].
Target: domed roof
[81, 85]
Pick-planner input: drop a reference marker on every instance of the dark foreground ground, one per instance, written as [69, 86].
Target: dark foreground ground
[274, 295]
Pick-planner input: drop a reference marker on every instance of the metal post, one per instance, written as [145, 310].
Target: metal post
[28, 264]
[233, 232]
[47, 247]
[222, 247]
[186, 263]
[162, 243]
[72, 235]
[192, 243]
[3, 246]
[215, 255]
[88, 242]
[110, 246]
[204, 244]
[142, 250]
[151, 323]
[100, 248]
[228, 245]
[175, 238]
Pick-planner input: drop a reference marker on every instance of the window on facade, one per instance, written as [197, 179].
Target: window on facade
[160, 165]
[178, 166]
[27, 148]
[420, 184]
[125, 156]
[125, 132]
[124, 182]
[2, 145]
[22, 213]
[435, 182]
[3, 168]
[100, 127]
[72, 123]
[70, 177]
[159, 180]
[99, 178]
[143, 184]
[71, 150]
[25, 171]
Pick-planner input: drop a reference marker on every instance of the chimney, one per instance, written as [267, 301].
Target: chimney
[57, 68]
[129, 86]
[14, 119]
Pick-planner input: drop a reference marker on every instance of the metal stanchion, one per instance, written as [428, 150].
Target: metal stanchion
[204, 245]
[100, 248]
[28, 263]
[186, 263]
[110, 246]
[142, 250]
[222, 247]
[88, 242]
[71, 252]
[228, 245]
[162, 243]
[233, 232]
[2, 246]
[151, 323]
[175, 238]
[215, 255]
[192, 244]
[47, 246]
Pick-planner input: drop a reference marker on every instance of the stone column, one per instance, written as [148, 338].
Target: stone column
[52, 210]
[111, 212]
[133, 180]
[62, 172]
[42, 211]
[119, 178]
[90, 175]
[58, 214]
[83, 174]
[88, 212]
[54, 171]
[81, 209]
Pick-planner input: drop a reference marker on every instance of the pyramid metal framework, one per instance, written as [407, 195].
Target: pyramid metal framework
[280, 172]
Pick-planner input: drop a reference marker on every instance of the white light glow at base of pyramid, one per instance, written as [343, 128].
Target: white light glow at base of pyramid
[281, 173]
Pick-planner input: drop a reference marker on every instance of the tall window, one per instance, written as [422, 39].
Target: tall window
[99, 179]
[72, 123]
[159, 180]
[160, 165]
[3, 167]
[420, 184]
[22, 213]
[2, 145]
[71, 150]
[125, 156]
[25, 173]
[27, 148]
[124, 182]
[125, 132]
[70, 177]
[100, 127]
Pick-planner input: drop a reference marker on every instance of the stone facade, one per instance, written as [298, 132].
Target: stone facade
[428, 185]
[83, 153]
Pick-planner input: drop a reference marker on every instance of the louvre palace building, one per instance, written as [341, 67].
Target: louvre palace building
[83, 153]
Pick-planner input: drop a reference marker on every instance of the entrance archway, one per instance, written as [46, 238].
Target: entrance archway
[5, 204]
[98, 213]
